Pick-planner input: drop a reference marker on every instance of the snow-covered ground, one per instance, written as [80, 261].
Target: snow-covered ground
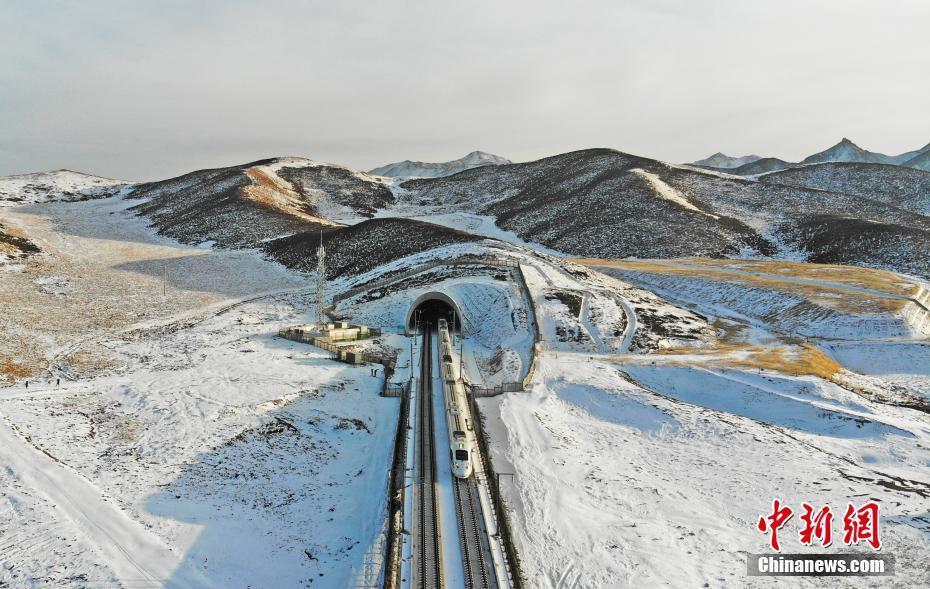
[101, 270]
[250, 459]
[901, 365]
[637, 476]
[638, 470]
[197, 448]
[194, 447]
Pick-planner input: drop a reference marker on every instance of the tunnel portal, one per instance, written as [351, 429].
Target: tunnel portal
[433, 306]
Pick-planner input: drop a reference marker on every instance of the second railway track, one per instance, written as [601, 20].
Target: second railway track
[471, 535]
[429, 542]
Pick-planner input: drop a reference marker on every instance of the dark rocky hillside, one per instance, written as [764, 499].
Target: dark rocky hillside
[907, 188]
[605, 203]
[243, 206]
[594, 203]
[834, 239]
[209, 205]
[339, 186]
[358, 248]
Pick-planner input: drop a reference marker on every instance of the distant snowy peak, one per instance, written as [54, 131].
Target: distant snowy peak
[904, 158]
[847, 151]
[410, 169]
[921, 160]
[720, 160]
[58, 185]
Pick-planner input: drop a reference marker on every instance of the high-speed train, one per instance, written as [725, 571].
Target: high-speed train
[461, 438]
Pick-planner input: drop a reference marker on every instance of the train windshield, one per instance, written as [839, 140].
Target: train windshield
[461, 454]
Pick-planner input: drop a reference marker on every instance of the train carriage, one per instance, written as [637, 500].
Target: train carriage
[461, 440]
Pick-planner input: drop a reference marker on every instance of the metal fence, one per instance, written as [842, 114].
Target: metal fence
[395, 389]
[394, 548]
[506, 387]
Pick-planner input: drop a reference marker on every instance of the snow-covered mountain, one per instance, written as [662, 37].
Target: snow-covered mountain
[595, 202]
[410, 169]
[723, 161]
[282, 206]
[920, 161]
[245, 205]
[905, 158]
[58, 185]
[604, 203]
[844, 151]
[847, 151]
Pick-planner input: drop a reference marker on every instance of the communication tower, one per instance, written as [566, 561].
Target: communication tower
[320, 283]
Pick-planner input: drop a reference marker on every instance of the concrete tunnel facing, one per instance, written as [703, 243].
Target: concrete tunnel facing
[431, 307]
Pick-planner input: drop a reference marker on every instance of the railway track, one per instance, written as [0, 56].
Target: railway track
[472, 535]
[478, 568]
[429, 554]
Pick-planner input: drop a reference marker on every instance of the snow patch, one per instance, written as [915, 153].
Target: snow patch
[668, 193]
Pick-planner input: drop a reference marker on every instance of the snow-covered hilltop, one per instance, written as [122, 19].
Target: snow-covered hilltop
[410, 169]
[59, 185]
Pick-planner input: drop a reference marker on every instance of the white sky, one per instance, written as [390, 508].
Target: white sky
[145, 90]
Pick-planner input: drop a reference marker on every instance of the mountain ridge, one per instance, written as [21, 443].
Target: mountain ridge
[597, 202]
[722, 161]
[843, 151]
[408, 168]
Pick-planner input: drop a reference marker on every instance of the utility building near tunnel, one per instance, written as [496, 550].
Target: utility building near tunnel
[431, 307]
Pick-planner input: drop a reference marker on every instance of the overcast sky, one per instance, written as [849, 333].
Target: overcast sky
[145, 90]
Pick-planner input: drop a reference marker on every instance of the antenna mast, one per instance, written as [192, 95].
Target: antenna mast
[320, 283]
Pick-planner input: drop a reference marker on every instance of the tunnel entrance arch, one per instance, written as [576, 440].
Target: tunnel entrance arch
[433, 306]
